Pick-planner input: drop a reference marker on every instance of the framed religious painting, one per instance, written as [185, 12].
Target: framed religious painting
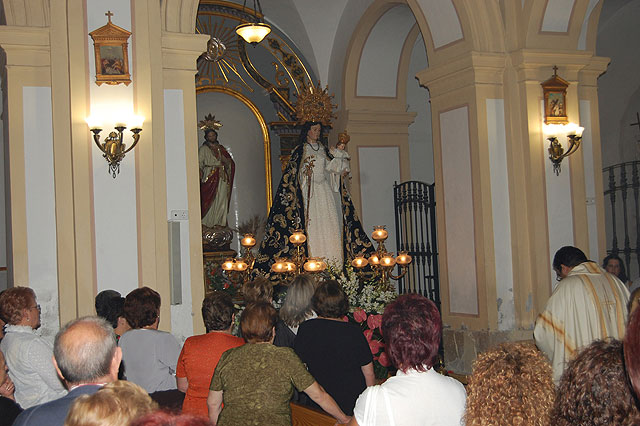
[555, 99]
[110, 44]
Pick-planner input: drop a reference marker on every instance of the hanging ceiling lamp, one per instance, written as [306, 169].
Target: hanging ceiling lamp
[253, 32]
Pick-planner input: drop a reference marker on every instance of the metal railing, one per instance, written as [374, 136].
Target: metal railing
[622, 213]
[415, 218]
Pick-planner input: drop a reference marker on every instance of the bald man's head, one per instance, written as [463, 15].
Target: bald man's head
[84, 350]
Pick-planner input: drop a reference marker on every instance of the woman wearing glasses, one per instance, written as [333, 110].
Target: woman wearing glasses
[28, 356]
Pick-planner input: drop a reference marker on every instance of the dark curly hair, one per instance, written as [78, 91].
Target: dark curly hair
[622, 275]
[330, 300]
[142, 307]
[568, 256]
[511, 384]
[411, 327]
[13, 301]
[110, 306]
[632, 351]
[594, 389]
[217, 311]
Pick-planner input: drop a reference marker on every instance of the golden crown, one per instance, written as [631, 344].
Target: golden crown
[209, 123]
[344, 137]
[314, 104]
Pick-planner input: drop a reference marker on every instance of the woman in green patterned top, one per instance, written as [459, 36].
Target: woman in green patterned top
[255, 381]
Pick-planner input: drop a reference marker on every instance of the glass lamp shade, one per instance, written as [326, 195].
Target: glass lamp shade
[403, 258]
[359, 262]
[297, 238]
[374, 259]
[248, 241]
[279, 266]
[240, 265]
[289, 266]
[379, 233]
[253, 32]
[228, 265]
[314, 265]
[388, 260]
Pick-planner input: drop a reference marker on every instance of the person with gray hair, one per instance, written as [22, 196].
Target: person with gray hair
[295, 310]
[86, 358]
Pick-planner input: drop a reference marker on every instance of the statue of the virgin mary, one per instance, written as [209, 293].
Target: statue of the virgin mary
[305, 199]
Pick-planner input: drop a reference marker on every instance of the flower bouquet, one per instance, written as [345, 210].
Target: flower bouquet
[216, 280]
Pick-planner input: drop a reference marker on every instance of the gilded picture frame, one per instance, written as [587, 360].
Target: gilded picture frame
[111, 52]
[555, 99]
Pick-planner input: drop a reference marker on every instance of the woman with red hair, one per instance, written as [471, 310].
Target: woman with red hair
[417, 395]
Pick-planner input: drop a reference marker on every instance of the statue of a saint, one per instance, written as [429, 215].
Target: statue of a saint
[312, 195]
[216, 180]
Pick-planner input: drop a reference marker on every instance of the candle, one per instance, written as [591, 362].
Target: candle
[228, 265]
[248, 241]
[359, 262]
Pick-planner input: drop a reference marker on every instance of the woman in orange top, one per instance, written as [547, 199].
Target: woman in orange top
[200, 354]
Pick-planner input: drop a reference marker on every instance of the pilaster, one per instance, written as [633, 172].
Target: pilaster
[179, 54]
[459, 92]
[27, 53]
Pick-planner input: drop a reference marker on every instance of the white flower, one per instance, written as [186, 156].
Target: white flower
[373, 297]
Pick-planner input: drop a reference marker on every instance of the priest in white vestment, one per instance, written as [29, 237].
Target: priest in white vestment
[588, 304]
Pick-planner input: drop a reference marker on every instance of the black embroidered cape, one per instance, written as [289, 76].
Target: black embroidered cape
[287, 215]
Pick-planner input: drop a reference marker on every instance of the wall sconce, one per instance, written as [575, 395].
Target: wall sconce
[556, 122]
[113, 148]
[557, 153]
[253, 32]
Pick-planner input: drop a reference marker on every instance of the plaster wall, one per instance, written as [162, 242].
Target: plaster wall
[114, 199]
[176, 167]
[420, 132]
[380, 58]
[40, 204]
[619, 87]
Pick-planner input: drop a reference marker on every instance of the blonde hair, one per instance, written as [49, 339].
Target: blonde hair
[511, 384]
[116, 404]
[297, 305]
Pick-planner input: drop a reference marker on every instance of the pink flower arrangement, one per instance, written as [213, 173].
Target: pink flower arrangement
[374, 321]
[375, 346]
[360, 315]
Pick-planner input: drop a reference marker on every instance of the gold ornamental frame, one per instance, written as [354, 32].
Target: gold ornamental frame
[110, 43]
[555, 99]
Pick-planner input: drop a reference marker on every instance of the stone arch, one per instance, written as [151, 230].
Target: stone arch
[27, 13]
[361, 34]
[179, 16]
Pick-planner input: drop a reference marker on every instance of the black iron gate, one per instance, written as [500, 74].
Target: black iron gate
[415, 211]
[623, 214]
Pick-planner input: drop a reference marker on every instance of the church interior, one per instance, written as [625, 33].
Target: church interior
[444, 92]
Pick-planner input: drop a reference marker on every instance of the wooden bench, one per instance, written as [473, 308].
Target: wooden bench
[302, 415]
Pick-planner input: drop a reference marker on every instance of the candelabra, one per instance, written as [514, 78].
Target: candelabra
[381, 261]
[298, 261]
[239, 269]
[113, 148]
[556, 151]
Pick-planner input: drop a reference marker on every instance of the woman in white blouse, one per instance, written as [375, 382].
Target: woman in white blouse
[417, 394]
[28, 356]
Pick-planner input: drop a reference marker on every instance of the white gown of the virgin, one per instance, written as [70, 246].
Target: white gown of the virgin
[322, 203]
